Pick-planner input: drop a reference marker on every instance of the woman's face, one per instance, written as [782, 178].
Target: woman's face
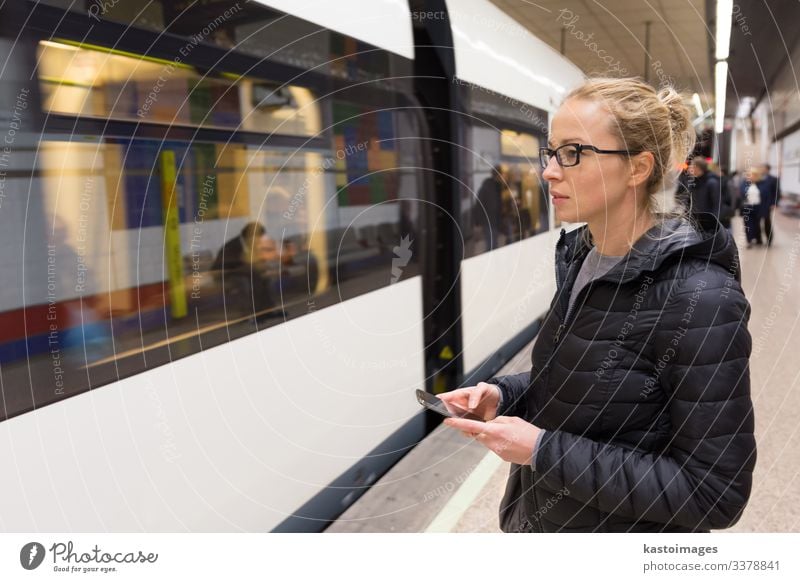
[598, 186]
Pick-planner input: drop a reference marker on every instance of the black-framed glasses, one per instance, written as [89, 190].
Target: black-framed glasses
[569, 154]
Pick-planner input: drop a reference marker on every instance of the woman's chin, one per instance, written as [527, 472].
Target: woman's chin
[564, 215]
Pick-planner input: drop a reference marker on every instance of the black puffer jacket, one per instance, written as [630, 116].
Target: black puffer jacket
[644, 391]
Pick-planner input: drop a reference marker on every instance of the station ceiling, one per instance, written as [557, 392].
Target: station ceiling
[763, 38]
[607, 36]
[610, 37]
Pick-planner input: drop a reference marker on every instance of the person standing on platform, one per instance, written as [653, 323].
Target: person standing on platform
[636, 414]
[705, 192]
[771, 196]
[751, 207]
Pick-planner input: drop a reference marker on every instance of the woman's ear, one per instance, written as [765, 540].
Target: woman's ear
[642, 166]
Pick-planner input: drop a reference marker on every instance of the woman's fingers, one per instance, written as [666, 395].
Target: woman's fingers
[470, 426]
[453, 395]
[478, 394]
[459, 397]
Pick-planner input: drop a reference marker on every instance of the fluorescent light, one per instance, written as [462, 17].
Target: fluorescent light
[697, 104]
[724, 19]
[703, 117]
[720, 87]
[744, 106]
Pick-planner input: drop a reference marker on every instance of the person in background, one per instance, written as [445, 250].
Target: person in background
[705, 192]
[529, 203]
[734, 179]
[727, 200]
[510, 211]
[246, 266]
[682, 197]
[770, 197]
[751, 206]
[703, 188]
[489, 209]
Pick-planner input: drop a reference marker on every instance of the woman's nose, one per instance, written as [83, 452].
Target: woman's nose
[553, 170]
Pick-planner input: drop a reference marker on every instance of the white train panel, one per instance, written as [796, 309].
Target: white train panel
[383, 23]
[492, 50]
[504, 291]
[226, 440]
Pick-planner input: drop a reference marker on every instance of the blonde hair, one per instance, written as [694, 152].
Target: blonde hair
[645, 120]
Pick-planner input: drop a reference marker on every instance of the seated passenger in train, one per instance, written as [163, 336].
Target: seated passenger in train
[247, 266]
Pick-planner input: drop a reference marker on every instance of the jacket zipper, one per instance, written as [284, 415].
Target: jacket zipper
[570, 310]
[558, 281]
[538, 524]
[537, 517]
[557, 337]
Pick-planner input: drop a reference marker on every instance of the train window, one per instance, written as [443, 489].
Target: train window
[106, 84]
[518, 144]
[307, 45]
[152, 242]
[505, 200]
[148, 243]
[182, 15]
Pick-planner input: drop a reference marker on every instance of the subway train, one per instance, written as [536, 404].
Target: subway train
[238, 236]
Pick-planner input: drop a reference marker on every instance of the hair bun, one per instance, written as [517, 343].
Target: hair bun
[683, 135]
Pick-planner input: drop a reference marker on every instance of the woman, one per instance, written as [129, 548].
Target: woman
[636, 414]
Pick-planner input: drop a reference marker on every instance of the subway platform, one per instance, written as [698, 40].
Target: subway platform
[449, 483]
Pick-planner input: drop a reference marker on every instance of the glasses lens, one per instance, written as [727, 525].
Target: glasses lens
[544, 157]
[567, 155]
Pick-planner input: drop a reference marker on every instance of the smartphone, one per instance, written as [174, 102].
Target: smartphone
[448, 409]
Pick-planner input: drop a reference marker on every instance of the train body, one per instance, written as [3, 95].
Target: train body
[155, 380]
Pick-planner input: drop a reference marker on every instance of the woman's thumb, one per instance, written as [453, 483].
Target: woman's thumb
[474, 397]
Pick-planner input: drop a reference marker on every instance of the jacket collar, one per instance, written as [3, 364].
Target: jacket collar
[671, 239]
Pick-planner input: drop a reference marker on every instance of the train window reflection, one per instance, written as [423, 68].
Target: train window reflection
[519, 144]
[104, 83]
[134, 244]
[173, 232]
[508, 203]
[149, 245]
[506, 200]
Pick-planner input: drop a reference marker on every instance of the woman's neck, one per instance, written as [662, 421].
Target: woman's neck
[617, 238]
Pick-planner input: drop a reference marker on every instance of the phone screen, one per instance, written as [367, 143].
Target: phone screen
[431, 402]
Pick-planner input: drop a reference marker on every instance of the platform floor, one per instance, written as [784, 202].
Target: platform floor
[450, 483]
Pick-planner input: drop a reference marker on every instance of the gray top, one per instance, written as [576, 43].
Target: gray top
[594, 265]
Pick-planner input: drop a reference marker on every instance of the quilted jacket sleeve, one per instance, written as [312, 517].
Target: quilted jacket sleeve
[703, 477]
[513, 394]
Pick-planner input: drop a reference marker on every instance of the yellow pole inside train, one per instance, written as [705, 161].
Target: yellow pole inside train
[172, 235]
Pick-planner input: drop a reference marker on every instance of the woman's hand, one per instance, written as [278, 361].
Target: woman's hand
[509, 437]
[481, 399]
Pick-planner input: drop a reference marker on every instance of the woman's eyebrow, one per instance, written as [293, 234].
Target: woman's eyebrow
[551, 143]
